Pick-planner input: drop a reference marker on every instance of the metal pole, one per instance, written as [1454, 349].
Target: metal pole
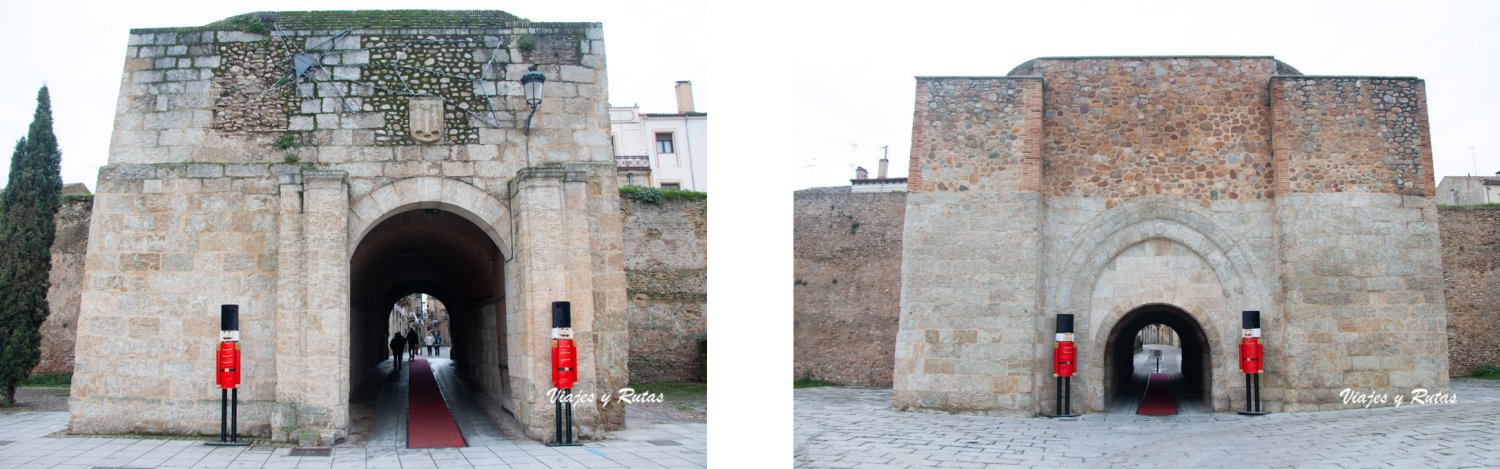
[570, 417]
[1060, 411]
[1248, 399]
[234, 415]
[558, 415]
[1068, 395]
[1257, 392]
[223, 415]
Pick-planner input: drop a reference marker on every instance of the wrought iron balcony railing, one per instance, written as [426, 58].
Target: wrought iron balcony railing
[636, 162]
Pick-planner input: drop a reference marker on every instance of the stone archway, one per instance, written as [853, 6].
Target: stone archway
[441, 237]
[1189, 232]
[475, 205]
[1198, 351]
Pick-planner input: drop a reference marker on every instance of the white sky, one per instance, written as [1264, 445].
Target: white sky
[854, 68]
[78, 50]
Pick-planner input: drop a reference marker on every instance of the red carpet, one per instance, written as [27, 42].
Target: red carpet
[428, 422]
[1159, 399]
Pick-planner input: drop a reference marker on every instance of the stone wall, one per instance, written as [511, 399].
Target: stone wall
[976, 171]
[1471, 273]
[1361, 260]
[847, 251]
[68, 250]
[247, 167]
[666, 274]
[1306, 198]
[168, 244]
[1352, 134]
[664, 248]
[1471, 256]
[1196, 128]
[976, 134]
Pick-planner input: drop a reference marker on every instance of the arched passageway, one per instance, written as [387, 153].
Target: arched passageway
[442, 254]
[1171, 334]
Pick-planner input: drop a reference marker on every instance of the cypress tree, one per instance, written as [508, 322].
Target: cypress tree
[29, 202]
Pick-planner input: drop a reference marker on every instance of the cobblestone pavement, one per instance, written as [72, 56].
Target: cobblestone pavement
[25, 442]
[34, 440]
[855, 427]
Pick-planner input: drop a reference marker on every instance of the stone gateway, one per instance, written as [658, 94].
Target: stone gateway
[1132, 191]
[278, 161]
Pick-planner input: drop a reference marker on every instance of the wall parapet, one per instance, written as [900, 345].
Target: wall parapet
[1351, 134]
[992, 145]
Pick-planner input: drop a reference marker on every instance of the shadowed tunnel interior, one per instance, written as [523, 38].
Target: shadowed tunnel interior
[439, 253]
[1120, 352]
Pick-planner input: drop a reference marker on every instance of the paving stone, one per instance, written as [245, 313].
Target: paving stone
[856, 427]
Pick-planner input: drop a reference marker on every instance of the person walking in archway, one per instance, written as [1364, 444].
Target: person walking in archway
[411, 344]
[398, 345]
[428, 340]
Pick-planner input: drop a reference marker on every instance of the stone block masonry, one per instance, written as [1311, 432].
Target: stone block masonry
[1131, 189]
[964, 311]
[666, 272]
[825, 248]
[253, 158]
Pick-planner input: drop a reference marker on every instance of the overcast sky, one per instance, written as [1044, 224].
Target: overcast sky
[855, 66]
[78, 50]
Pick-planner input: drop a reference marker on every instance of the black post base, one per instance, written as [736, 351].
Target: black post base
[1064, 399]
[228, 443]
[1252, 396]
[564, 433]
[229, 420]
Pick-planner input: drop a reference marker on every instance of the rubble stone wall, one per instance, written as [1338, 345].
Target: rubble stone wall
[69, 247]
[1196, 128]
[847, 290]
[666, 274]
[1471, 275]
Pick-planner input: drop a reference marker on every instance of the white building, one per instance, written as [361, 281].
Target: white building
[863, 183]
[668, 151]
[1469, 190]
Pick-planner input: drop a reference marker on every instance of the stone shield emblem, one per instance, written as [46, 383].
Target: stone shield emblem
[426, 119]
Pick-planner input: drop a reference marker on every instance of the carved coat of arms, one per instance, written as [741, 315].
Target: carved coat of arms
[426, 119]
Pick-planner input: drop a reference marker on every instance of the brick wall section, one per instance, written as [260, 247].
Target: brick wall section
[847, 286]
[1352, 134]
[1471, 274]
[989, 131]
[666, 274]
[1194, 127]
[68, 250]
